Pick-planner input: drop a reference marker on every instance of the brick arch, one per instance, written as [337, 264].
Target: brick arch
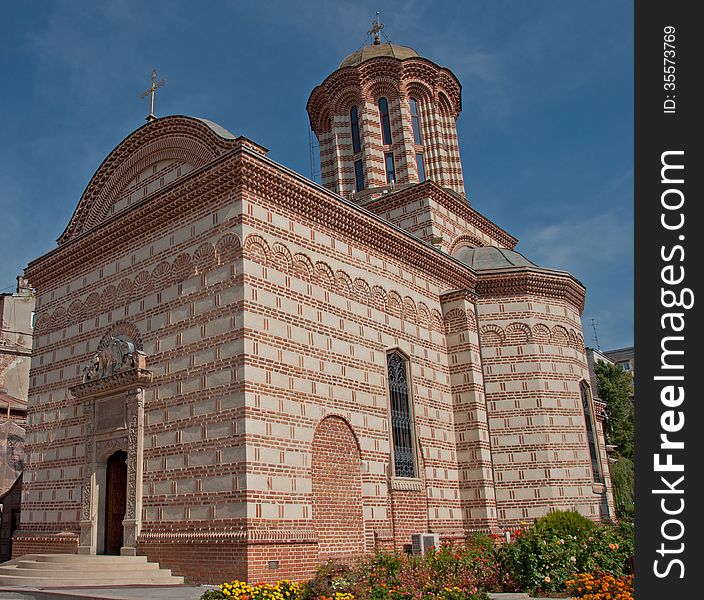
[343, 283]
[204, 257]
[183, 139]
[410, 311]
[559, 336]
[423, 314]
[464, 241]
[455, 320]
[383, 88]
[124, 329]
[228, 246]
[345, 99]
[281, 257]
[303, 267]
[257, 248]
[518, 333]
[420, 91]
[492, 335]
[336, 476]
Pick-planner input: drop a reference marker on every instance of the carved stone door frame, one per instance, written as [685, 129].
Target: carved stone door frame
[113, 408]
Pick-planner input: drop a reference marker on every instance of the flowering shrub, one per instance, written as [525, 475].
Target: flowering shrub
[544, 560]
[457, 593]
[586, 586]
[441, 573]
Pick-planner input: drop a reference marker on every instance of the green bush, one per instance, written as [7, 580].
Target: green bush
[564, 522]
[622, 480]
[544, 557]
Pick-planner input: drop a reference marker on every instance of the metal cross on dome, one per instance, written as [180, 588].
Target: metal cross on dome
[154, 87]
[377, 26]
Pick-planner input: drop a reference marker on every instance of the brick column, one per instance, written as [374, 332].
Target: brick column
[474, 460]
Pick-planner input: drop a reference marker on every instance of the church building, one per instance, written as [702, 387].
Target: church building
[238, 372]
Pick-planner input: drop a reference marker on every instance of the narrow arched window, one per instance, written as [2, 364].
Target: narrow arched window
[415, 119]
[385, 122]
[401, 416]
[354, 121]
[592, 440]
[358, 176]
[390, 168]
[420, 163]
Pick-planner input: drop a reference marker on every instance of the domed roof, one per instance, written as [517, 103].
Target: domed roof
[376, 50]
[215, 128]
[491, 257]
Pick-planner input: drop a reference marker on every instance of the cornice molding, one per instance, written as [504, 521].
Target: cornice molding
[114, 384]
[351, 221]
[525, 280]
[395, 73]
[241, 535]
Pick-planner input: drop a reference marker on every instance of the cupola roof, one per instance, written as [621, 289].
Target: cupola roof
[377, 50]
[491, 257]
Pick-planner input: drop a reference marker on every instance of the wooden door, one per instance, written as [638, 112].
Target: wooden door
[115, 501]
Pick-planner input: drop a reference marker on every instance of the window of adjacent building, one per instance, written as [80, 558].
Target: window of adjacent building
[591, 431]
[358, 175]
[354, 121]
[625, 365]
[421, 166]
[415, 119]
[401, 416]
[385, 122]
[390, 169]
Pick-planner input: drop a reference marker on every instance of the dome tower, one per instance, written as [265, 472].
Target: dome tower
[386, 119]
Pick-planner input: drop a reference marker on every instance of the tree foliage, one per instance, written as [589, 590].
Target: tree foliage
[615, 389]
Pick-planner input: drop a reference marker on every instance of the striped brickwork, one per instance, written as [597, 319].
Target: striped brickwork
[266, 307]
[437, 92]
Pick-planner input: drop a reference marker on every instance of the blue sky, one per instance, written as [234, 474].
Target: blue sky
[546, 131]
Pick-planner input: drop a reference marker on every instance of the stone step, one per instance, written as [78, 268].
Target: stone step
[82, 558]
[70, 570]
[79, 581]
[85, 565]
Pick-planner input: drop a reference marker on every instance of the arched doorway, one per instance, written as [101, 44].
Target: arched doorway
[115, 501]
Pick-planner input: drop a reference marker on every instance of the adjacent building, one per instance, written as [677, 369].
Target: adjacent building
[16, 317]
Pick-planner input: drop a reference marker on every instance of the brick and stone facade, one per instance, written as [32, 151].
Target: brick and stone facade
[228, 325]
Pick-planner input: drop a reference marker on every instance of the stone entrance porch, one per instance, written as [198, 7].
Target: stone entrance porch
[113, 406]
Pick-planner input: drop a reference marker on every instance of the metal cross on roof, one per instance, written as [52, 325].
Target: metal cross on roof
[154, 87]
[377, 26]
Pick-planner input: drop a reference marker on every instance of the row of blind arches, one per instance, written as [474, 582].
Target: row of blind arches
[386, 138]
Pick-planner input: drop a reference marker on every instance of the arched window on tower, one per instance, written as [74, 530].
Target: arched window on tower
[385, 121]
[592, 439]
[420, 164]
[354, 122]
[358, 175]
[415, 119]
[402, 428]
[417, 139]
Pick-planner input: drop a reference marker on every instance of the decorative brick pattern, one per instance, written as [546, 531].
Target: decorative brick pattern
[437, 92]
[266, 306]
